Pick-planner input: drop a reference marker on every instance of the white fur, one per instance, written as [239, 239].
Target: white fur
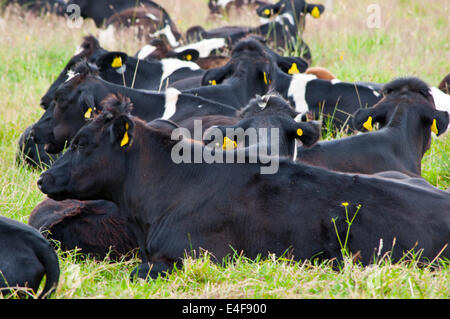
[281, 18]
[152, 17]
[294, 156]
[375, 93]
[441, 100]
[71, 74]
[167, 31]
[204, 47]
[335, 81]
[171, 65]
[223, 3]
[146, 51]
[297, 89]
[171, 103]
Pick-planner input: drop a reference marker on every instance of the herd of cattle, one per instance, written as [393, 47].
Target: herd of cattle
[116, 188]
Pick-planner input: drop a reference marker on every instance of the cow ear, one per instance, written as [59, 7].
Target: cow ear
[214, 135]
[291, 65]
[87, 102]
[115, 60]
[315, 10]
[438, 121]
[307, 132]
[363, 119]
[122, 131]
[217, 75]
[188, 55]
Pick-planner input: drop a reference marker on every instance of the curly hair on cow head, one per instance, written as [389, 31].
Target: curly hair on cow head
[412, 84]
[117, 103]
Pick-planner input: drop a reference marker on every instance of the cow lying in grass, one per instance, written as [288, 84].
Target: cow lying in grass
[175, 209]
[95, 227]
[25, 257]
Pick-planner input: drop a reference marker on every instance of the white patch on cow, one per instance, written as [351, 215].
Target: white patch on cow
[171, 65]
[223, 3]
[294, 156]
[335, 81]
[375, 93]
[107, 37]
[122, 69]
[171, 103]
[167, 31]
[298, 118]
[441, 100]
[78, 50]
[282, 19]
[204, 47]
[297, 90]
[146, 51]
[152, 17]
[71, 74]
[264, 20]
[200, 106]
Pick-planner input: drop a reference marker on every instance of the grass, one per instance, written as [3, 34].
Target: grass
[412, 40]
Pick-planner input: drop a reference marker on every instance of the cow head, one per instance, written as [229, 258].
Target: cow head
[409, 100]
[267, 112]
[294, 7]
[249, 62]
[89, 49]
[83, 172]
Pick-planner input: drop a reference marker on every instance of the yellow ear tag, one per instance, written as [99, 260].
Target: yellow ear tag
[212, 82]
[125, 136]
[299, 132]
[88, 113]
[265, 78]
[315, 12]
[434, 127]
[267, 12]
[368, 124]
[293, 69]
[117, 62]
[188, 57]
[228, 144]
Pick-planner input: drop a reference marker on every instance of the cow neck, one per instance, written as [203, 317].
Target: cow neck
[410, 131]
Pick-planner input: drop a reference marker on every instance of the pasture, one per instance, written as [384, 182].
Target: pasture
[412, 39]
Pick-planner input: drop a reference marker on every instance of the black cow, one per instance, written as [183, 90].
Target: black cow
[294, 10]
[39, 6]
[101, 10]
[97, 228]
[406, 115]
[151, 22]
[178, 208]
[258, 118]
[247, 73]
[335, 100]
[25, 257]
[80, 98]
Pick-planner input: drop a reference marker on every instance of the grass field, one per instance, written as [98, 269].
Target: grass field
[412, 39]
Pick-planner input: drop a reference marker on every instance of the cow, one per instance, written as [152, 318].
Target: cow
[80, 98]
[294, 10]
[101, 10]
[96, 228]
[179, 207]
[336, 101]
[150, 22]
[221, 6]
[262, 115]
[25, 257]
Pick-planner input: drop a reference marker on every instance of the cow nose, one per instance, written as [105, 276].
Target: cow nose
[44, 179]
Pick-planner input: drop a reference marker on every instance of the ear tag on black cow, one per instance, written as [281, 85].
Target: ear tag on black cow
[315, 12]
[368, 124]
[228, 144]
[212, 82]
[88, 113]
[267, 12]
[125, 138]
[117, 62]
[299, 132]
[265, 79]
[434, 127]
[293, 69]
[188, 57]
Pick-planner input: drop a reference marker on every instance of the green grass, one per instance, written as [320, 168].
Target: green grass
[412, 40]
